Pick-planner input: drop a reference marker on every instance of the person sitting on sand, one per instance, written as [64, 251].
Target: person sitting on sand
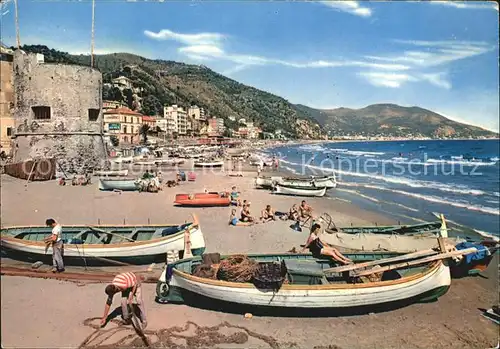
[235, 201]
[147, 175]
[319, 248]
[233, 220]
[246, 216]
[293, 214]
[129, 284]
[305, 211]
[268, 214]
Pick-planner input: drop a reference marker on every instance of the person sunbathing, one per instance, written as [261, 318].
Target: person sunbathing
[305, 211]
[319, 248]
[268, 214]
[233, 220]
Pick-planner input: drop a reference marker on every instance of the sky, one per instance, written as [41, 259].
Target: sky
[438, 55]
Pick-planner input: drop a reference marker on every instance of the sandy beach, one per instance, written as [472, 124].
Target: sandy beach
[48, 313]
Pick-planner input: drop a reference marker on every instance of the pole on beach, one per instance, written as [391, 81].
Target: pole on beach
[92, 38]
[18, 40]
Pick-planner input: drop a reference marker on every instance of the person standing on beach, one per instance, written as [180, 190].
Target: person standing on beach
[129, 285]
[57, 245]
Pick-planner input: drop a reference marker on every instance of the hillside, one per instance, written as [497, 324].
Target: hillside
[391, 120]
[168, 82]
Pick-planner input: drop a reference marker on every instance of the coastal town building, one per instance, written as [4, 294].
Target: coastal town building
[57, 113]
[122, 82]
[108, 105]
[249, 131]
[216, 127]
[175, 120]
[123, 123]
[197, 118]
[6, 100]
[150, 121]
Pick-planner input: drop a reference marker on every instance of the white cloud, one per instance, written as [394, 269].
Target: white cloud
[468, 5]
[212, 39]
[392, 80]
[396, 80]
[435, 53]
[352, 7]
[202, 50]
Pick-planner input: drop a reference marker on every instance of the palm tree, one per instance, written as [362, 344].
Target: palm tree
[143, 131]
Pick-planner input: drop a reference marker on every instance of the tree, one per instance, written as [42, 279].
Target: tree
[129, 97]
[143, 131]
[115, 141]
[151, 105]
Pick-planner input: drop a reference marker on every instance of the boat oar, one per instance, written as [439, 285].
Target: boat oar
[107, 232]
[418, 261]
[412, 255]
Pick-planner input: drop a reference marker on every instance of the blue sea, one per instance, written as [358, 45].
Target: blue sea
[411, 181]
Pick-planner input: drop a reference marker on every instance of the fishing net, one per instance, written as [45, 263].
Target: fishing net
[238, 268]
[270, 276]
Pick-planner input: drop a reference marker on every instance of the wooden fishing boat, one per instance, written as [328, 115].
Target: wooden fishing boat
[145, 163]
[105, 244]
[312, 182]
[203, 199]
[205, 163]
[121, 160]
[299, 191]
[422, 228]
[308, 285]
[171, 162]
[118, 184]
[266, 182]
[111, 173]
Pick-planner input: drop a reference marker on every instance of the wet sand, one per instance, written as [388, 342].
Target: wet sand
[48, 313]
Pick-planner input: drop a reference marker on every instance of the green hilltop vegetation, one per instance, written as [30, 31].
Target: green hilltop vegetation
[168, 82]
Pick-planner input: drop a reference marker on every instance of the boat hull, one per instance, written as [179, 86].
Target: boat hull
[209, 164]
[202, 200]
[322, 182]
[423, 286]
[266, 182]
[295, 191]
[138, 252]
[123, 185]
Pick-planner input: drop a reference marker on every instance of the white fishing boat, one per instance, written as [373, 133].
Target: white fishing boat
[118, 184]
[309, 285]
[299, 191]
[266, 182]
[209, 163]
[121, 160]
[111, 173]
[145, 163]
[100, 245]
[312, 182]
[170, 162]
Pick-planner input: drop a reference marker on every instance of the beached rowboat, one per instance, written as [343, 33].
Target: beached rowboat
[111, 173]
[266, 182]
[308, 286]
[422, 228]
[118, 184]
[120, 160]
[172, 162]
[203, 199]
[318, 182]
[100, 245]
[299, 191]
[208, 163]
